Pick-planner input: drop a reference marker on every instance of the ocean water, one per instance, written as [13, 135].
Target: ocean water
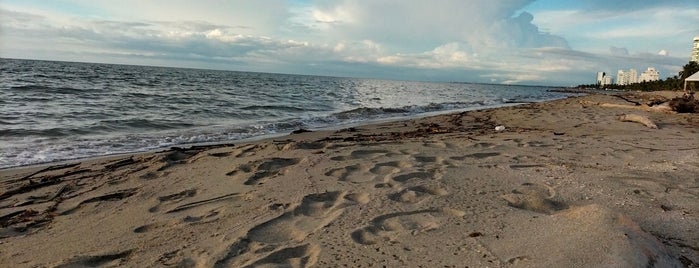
[53, 111]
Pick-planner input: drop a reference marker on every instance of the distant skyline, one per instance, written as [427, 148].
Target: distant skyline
[544, 42]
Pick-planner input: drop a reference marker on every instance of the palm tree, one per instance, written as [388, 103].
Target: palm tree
[689, 69]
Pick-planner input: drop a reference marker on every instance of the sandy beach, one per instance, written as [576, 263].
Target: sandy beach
[565, 184]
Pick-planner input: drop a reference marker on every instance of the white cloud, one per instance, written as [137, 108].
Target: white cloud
[639, 27]
[479, 24]
[446, 56]
[485, 40]
[619, 51]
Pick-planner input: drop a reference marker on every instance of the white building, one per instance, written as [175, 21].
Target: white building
[649, 75]
[626, 77]
[621, 78]
[607, 80]
[603, 79]
[695, 50]
[633, 76]
[600, 77]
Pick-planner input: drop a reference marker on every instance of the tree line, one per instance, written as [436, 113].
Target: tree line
[671, 83]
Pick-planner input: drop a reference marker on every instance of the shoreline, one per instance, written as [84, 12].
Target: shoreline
[565, 184]
[275, 135]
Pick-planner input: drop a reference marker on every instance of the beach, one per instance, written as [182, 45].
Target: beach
[566, 183]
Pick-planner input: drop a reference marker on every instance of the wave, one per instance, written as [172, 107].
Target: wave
[276, 108]
[144, 124]
[374, 113]
[29, 87]
[57, 111]
[97, 128]
[97, 140]
[144, 95]
[45, 133]
[47, 89]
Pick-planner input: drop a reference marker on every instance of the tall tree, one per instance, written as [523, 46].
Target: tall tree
[689, 69]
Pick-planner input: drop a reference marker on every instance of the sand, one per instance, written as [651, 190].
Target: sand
[565, 184]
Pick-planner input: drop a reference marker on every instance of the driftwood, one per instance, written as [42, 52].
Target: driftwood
[638, 119]
[120, 163]
[685, 104]
[627, 100]
[656, 108]
[50, 168]
[43, 182]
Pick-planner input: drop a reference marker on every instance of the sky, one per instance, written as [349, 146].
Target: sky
[530, 42]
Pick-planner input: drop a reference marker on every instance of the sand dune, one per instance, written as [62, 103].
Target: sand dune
[566, 184]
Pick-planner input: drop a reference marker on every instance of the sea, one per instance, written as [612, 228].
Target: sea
[54, 111]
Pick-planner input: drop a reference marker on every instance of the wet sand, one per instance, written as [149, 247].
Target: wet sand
[565, 184]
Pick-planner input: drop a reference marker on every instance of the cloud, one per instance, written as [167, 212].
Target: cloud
[478, 24]
[445, 56]
[614, 6]
[472, 40]
[640, 26]
[490, 28]
[619, 51]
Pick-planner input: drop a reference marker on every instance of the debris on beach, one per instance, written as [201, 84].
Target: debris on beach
[655, 103]
[685, 104]
[300, 130]
[638, 119]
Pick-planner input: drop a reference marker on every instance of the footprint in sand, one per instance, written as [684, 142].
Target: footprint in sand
[364, 154]
[220, 154]
[300, 256]
[534, 197]
[391, 227]
[199, 211]
[437, 162]
[357, 173]
[417, 175]
[147, 228]
[210, 215]
[247, 150]
[176, 259]
[114, 196]
[264, 169]
[307, 145]
[173, 198]
[535, 144]
[314, 212]
[207, 216]
[362, 172]
[476, 156]
[176, 157]
[277, 241]
[417, 194]
[439, 145]
[485, 145]
[112, 260]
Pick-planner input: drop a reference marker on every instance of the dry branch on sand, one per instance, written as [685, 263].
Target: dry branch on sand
[683, 104]
[638, 119]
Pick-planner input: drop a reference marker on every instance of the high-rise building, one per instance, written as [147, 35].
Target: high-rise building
[607, 80]
[621, 78]
[633, 76]
[626, 77]
[649, 75]
[695, 50]
[600, 77]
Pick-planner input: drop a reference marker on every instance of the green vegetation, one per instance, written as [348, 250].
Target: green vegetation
[671, 83]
